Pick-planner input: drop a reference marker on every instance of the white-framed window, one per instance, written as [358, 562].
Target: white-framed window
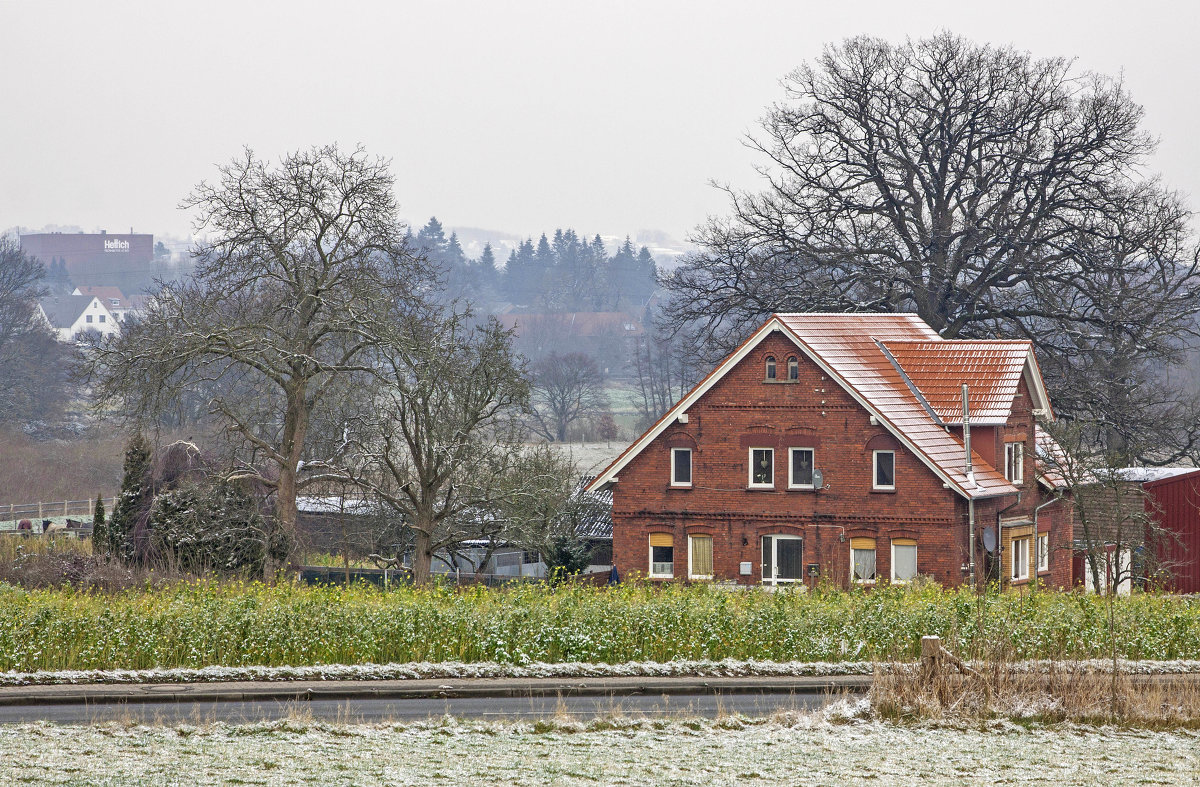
[884, 470]
[800, 468]
[681, 467]
[762, 468]
[1020, 558]
[904, 559]
[1014, 462]
[770, 367]
[89, 318]
[700, 557]
[1043, 552]
[662, 555]
[793, 368]
[101, 318]
[862, 559]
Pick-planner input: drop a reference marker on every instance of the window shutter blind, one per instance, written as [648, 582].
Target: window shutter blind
[862, 543]
[662, 540]
[904, 542]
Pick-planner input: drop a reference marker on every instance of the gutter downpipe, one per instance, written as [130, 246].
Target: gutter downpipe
[970, 480]
[1000, 538]
[1036, 509]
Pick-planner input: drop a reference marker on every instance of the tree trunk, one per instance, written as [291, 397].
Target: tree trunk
[295, 429]
[422, 557]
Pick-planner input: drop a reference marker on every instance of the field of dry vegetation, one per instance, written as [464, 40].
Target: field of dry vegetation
[36, 471]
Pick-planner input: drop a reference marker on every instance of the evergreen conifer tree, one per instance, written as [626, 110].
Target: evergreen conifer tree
[134, 497]
[99, 528]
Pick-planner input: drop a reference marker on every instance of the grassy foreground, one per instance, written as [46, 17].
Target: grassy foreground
[196, 624]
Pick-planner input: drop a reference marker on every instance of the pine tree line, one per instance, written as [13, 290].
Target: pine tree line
[558, 274]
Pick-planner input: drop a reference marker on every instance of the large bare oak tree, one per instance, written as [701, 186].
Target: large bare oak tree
[994, 194]
[303, 270]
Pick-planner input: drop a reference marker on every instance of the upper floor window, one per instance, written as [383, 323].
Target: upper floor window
[801, 468]
[762, 467]
[793, 368]
[884, 476]
[770, 367]
[1014, 462]
[1043, 551]
[101, 318]
[681, 467]
[89, 318]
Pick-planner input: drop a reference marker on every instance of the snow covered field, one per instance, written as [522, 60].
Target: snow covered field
[815, 749]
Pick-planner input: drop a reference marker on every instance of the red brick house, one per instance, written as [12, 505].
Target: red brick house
[832, 446]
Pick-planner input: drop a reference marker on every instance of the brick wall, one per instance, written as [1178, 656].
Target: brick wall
[742, 411]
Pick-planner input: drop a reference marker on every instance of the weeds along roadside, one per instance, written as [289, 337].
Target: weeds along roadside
[199, 623]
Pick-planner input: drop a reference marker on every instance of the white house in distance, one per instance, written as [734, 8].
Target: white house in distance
[113, 299]
[71, 315]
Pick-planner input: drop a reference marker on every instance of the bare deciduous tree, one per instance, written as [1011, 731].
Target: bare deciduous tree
[305, 267]
[566, 388]
[993, 193]
[31, 362]
[441, 441]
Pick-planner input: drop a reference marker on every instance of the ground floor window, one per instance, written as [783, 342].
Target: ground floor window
[862, 559]
[904, 559]
[1043, 552]
[662, 555]
[700, 557]
[782, 559]
[1020, 558]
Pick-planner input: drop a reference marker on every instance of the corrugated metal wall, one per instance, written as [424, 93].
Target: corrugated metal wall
[1175, 502]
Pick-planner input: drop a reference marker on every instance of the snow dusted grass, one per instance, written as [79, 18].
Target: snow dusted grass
[838, 747]
[491, 669]
[234, 624]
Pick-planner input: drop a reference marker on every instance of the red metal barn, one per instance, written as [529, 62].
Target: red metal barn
[1173, 499]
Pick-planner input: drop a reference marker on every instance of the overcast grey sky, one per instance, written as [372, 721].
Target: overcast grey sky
[607, 117]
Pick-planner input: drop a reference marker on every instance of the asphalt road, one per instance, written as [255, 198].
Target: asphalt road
[413, 709]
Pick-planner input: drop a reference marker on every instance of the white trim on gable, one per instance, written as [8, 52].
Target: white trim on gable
[609, 475]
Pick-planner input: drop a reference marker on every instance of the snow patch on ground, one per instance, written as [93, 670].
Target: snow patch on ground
[809, 748]
[459, 670]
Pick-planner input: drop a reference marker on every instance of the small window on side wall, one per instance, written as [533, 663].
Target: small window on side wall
[1043, 552]
[862, 559]
[662, 555]
[793, 368]
[770, 367]
[681, 467]
[884, 471]
[1014, 462]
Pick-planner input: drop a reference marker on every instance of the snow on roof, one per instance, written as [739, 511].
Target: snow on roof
[991, 369]
[1144, 475]
[853, 349]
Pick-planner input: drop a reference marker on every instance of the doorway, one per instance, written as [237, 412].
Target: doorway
[782, 560]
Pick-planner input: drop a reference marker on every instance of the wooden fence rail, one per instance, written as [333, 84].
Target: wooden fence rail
[81, 508]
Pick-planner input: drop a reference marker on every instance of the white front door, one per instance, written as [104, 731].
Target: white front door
[783, 559]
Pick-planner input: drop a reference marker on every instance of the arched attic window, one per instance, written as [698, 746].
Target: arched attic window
[793, 368]
[771, 367]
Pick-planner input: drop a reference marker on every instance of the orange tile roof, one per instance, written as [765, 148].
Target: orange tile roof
[991, 369]
[851, 348]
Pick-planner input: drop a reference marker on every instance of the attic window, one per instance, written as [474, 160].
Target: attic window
[793, 366]
[884, 477]
[771, 367]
